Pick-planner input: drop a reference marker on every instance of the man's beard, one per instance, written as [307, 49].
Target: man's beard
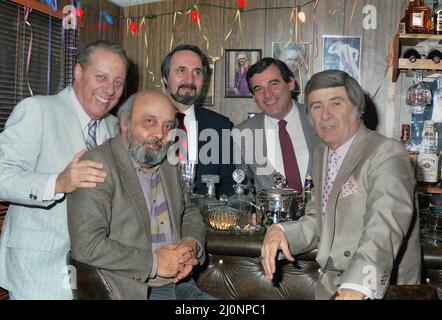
[185, 99]
[144, 156]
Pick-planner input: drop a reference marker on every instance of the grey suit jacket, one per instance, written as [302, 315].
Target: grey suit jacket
[41, 137]
[369, 230]
[252, 157]
[109, 226]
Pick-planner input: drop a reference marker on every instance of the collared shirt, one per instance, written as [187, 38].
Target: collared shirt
[101, 136]
[294, 128]
[342, 152]
[192, 133]
[145, 180]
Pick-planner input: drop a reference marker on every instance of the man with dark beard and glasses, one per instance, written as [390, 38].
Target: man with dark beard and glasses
[208, 133]
[137, 227]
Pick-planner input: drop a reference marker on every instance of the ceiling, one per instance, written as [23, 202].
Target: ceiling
[127, 3]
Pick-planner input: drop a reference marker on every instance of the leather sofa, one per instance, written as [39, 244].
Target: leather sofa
[233, 272]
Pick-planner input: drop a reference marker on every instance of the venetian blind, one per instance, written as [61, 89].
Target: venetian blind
[14, 46]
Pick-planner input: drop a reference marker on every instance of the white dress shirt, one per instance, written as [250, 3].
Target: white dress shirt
[294, 128]
[192, 133]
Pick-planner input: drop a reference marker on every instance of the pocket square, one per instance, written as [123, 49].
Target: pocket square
[349, 188]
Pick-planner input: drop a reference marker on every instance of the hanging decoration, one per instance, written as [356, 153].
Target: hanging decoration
[241, 4]
[195, 16]
[28, 61]
[133, 26]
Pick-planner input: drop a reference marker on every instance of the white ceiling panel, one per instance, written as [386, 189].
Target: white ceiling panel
[128, 3]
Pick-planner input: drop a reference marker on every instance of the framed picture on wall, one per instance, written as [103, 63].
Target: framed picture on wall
[342, 53]
[237, 64]
[207, 97]
[296, 56]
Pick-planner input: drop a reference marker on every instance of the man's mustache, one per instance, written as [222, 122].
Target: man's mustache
[187, 86]
[156, 142]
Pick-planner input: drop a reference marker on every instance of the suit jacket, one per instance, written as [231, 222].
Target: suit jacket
[369, 234]
[258, 179]
[41, 137]
[224, 167]
[109, 226]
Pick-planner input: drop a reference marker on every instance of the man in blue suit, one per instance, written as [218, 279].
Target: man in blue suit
[208, 133]
[40, 151]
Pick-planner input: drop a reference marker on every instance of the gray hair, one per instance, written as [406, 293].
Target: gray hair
[83, 57]
[336, 78]
[125, 111]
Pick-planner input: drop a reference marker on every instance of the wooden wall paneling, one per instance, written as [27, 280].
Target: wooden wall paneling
[330, 17]
[252, 36]
[89, 32]
[212, 19]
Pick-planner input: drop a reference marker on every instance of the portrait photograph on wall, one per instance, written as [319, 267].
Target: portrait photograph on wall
[207, 97]
[296, 56]
[342, 53]
[237, 64]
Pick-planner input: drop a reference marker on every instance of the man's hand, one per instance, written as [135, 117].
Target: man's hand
[171, 261]
[274, 240]
[79, 174]
[188, 250]
[348, 294]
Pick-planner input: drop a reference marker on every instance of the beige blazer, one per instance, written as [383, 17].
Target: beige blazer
[109, 226]
[369, 234]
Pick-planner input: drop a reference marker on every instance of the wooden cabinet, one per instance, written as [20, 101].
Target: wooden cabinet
[424, 44]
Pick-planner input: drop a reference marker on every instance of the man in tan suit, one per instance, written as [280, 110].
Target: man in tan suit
[361, 216]
[137, 227]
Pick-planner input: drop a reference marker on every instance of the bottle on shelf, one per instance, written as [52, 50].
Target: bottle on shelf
[437, 16]
[418, 95]
[405, 139]
[435, 55]
[412, 55]
[428, 157]
[418, 17]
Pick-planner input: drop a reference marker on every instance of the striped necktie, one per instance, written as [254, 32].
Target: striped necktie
[91, 140]
[183, 155]
[291, 168]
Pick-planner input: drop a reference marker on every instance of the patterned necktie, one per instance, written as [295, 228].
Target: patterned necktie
[332, 171]
[91, 134]
[289, 158]
[182, 151]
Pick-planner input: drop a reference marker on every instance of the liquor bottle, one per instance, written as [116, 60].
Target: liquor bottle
[435, 55]
[242, 203]
[405, 139]
[412, 55]
[418, 17]
[428, 157]
[308, 185]
[418, 95]
[437, 17]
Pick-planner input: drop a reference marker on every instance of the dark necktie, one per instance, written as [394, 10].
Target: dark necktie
[182, 151]
[291, 168]
[91, 140]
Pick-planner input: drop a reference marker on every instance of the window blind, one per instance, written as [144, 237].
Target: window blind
[14, 46]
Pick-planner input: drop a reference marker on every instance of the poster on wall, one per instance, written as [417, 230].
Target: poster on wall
[296, 56]
[207, 96]
[237, 64]
[342, 53]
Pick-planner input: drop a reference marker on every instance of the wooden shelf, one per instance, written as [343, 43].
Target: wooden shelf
[405, 65]
[429, 189]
